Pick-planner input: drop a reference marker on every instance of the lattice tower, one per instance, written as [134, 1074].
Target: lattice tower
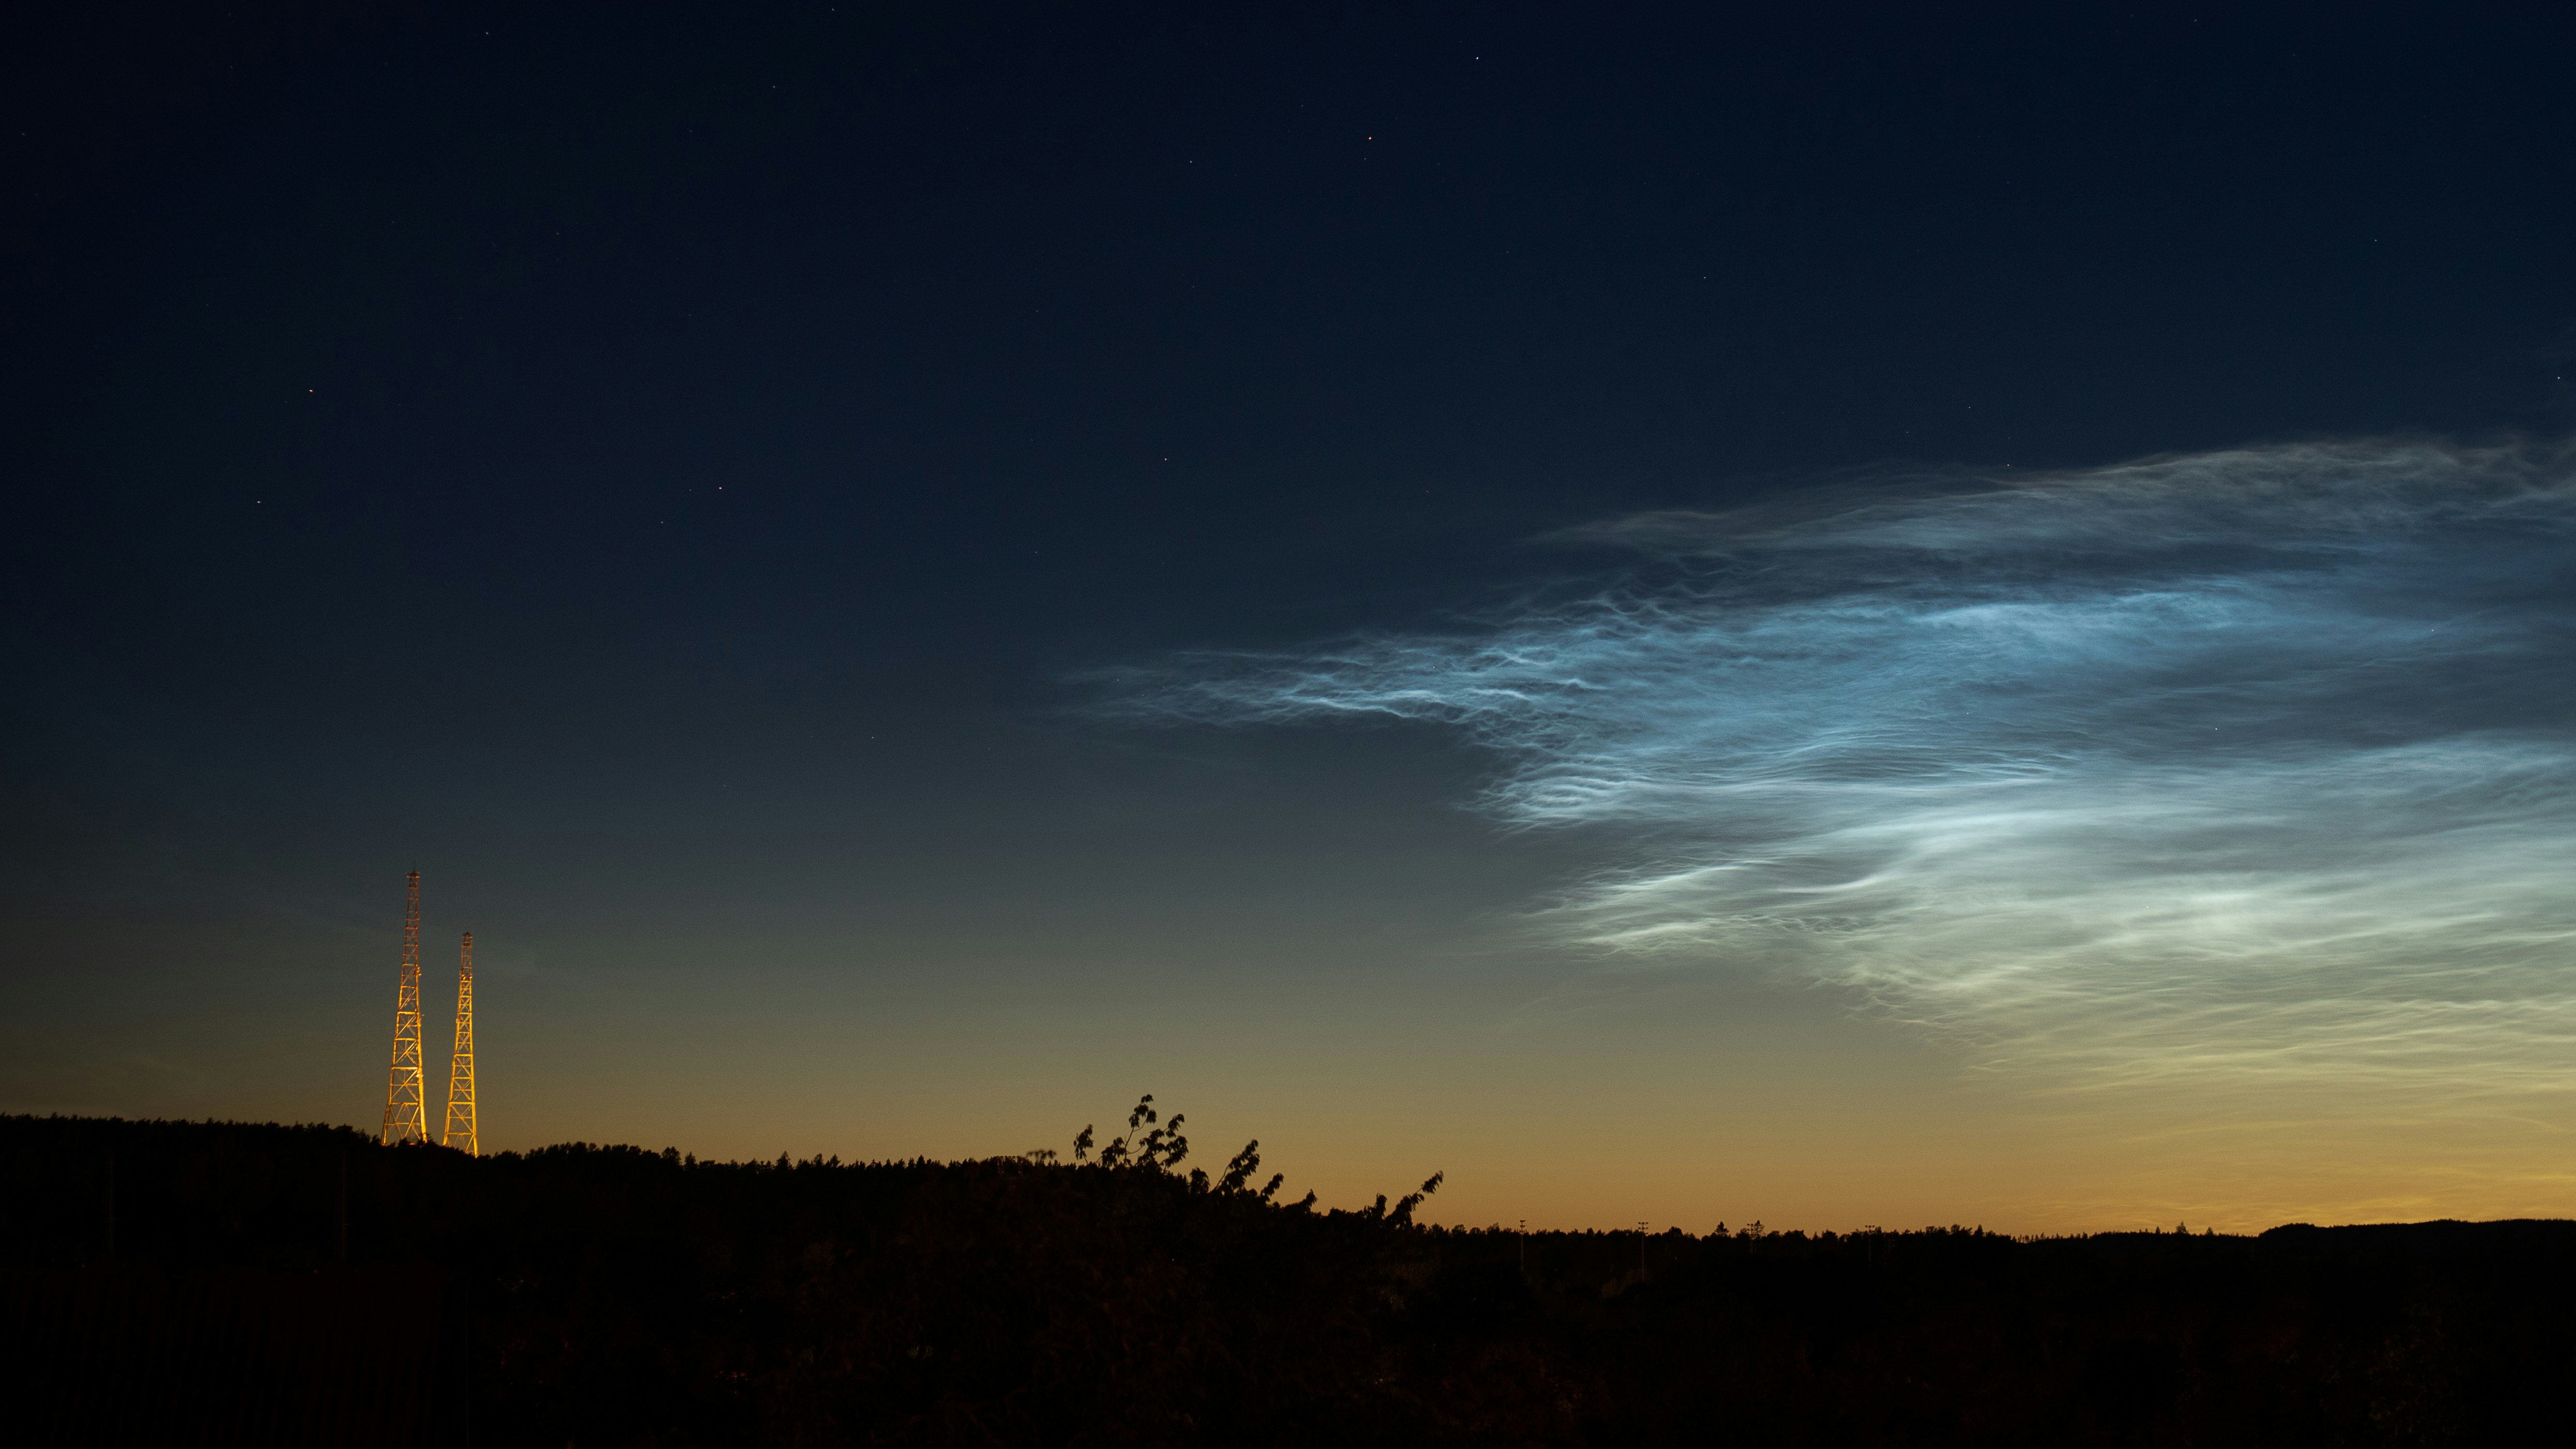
[460, 1132]
[403, 1118]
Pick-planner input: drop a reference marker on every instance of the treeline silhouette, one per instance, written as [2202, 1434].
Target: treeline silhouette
[222, 1283]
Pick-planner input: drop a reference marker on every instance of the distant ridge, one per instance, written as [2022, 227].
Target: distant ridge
[617, 1295]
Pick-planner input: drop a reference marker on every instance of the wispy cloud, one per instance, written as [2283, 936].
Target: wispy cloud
[2247, 768]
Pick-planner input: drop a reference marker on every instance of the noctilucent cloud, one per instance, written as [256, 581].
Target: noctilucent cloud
[2248, 775]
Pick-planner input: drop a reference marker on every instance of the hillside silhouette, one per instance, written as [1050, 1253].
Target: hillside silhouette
[230, 1283]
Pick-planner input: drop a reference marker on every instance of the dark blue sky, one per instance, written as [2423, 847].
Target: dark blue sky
[666, 470]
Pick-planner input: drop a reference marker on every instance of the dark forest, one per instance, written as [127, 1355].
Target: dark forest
[231, 1283]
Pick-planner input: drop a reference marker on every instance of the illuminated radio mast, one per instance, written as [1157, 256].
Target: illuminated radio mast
[402, 1085]
[460, 1132]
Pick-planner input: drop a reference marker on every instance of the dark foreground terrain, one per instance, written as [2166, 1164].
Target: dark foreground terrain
[300, 1285]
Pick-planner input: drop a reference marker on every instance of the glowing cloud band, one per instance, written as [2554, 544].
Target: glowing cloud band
[2234, 769]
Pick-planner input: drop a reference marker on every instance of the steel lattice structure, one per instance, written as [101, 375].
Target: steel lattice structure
[460, 1133]
[403, 1095]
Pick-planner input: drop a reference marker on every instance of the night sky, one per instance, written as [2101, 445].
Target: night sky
[1832, 615]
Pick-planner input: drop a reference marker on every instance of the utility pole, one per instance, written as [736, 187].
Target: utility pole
[403, 1094]
[461, 1133]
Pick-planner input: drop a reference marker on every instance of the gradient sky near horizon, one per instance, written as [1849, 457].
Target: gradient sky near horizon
[1868, 616]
